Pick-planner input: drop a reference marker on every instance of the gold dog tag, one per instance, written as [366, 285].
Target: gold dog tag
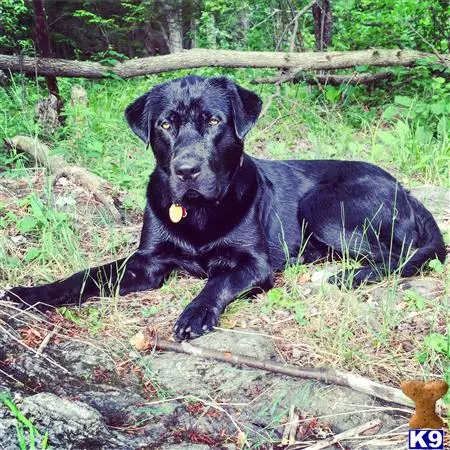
[176, 213]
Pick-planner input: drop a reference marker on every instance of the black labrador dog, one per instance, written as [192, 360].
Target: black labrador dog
[215, 212]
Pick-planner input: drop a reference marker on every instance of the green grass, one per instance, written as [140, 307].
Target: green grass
[360, 330]
[299, 124]
[28, 436]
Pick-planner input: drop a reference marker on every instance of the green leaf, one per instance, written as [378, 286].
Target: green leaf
[149, 312]
[44, 442]
[275, 294]
[436, 265]
[31, 254]
[439, 343]
[387, 138]
[36, 206]
[332, 94]
[390, 112]
[420, 303]
[423, 135]
[361, 68]
[27, 224]
[403, 100]
[438, 108]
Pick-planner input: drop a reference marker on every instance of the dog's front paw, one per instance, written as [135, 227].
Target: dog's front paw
[21, 296]
[197, 319]
[5, 295]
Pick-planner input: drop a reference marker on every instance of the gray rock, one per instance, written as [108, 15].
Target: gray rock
[427, 287]
[71, 420]
[436, 199]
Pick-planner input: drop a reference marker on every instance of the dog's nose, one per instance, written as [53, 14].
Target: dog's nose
[188, 170]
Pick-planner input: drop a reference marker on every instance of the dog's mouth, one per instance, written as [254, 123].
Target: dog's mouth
[192, 194]
[193, 198]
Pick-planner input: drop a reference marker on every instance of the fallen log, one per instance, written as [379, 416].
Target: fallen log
[190, 59]
[325, 375]
[58, 166]
[333, 80]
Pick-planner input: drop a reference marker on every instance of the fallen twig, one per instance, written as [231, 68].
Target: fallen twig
[289, 427]
[351, 433]
[270, 100]
[100, 188]
[50, 360]
[46, 340]
[329, 376]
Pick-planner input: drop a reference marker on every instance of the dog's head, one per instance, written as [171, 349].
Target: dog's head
[196, 128]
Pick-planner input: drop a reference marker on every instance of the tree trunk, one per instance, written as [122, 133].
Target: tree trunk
[175, 28]
[42, 39]
[323, 24]
[173, 13]
[189, 59]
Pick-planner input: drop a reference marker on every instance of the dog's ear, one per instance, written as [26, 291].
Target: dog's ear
[138, 117]
[140, 113]
[246, 108]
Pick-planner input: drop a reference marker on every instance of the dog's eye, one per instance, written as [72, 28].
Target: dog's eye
[213, 121]
[166, 125]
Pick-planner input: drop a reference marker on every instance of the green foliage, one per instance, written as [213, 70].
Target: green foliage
[437, 344]
[391, 24]
[89, 318]
[278, 298]
[436, 265]
[415, 300]
[13, 31]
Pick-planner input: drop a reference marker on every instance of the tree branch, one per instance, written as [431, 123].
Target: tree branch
[334, 80]
[57, 165]
[195, 58]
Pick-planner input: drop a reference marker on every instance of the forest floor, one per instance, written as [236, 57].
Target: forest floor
[387, 332]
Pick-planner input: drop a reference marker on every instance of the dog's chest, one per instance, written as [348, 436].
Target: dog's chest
[207, 260]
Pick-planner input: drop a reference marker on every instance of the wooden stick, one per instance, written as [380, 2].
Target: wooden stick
[329, 376]
[351, 433]
[100, 188]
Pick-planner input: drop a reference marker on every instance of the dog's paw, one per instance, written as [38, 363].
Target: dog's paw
[21, 296]
[5, 295]
[195, 320]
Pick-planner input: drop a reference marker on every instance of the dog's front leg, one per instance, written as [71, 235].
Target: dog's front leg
[203, 313]
[141, 271]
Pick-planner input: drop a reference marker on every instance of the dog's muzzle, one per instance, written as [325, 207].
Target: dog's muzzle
[187, 169]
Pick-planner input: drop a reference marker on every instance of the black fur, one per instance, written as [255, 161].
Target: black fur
[243, 213]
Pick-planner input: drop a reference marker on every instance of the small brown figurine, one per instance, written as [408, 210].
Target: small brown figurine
[425, 396]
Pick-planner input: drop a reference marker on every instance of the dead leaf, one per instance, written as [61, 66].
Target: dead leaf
[304, 278]
[140, 341]
[241, 440]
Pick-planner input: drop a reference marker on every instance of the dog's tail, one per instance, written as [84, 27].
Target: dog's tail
[430, 243]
